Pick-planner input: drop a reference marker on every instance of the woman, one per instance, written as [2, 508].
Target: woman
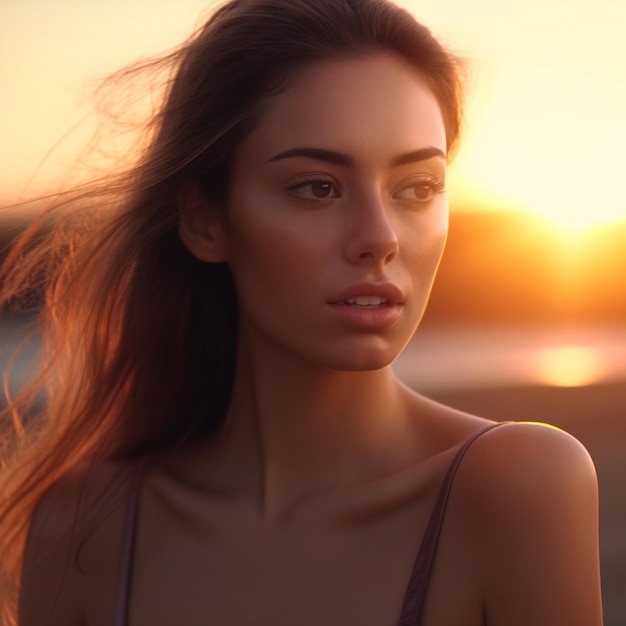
[224, 440]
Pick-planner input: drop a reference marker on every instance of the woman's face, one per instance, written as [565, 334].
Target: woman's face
[338, 214]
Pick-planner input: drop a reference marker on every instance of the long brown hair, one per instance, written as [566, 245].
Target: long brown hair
[139, 336]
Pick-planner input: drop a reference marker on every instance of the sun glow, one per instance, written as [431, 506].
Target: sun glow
[568, 366]
[580, 206]
[545, 124]
[563, 166]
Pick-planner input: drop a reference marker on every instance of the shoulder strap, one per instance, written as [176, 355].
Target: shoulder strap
[122, 597]
[418, 583]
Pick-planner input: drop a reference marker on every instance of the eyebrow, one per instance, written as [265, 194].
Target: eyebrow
[418, 155]
[345, 160]
[318, 154]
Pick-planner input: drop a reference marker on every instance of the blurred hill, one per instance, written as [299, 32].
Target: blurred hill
[512, 268]
[506, 268]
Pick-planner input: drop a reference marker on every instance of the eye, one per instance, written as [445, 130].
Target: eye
[422, 190]
[313, 189]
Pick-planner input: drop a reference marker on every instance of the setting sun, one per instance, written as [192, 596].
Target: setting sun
[571, 177]
[568, 366]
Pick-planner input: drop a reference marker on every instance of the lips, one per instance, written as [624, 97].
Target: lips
[370, 295]
[368, 307]
[366, 301]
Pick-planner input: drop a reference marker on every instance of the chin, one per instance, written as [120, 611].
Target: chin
[370, 352]
[362, 359]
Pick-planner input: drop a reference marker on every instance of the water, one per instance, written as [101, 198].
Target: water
[458, 358]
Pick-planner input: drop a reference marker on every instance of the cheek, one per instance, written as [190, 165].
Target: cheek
[271, 255]
[436, 245]
[428, 247]
[267, 231]
[260, 247]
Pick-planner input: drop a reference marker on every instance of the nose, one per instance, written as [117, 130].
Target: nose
[371, 234]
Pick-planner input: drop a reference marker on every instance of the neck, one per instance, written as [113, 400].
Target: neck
[295, 430]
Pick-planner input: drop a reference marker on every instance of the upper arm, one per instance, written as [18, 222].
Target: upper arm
[535, 514]
[72, 550]
[48, 593]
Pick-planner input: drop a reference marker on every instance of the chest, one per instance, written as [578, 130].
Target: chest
[208, 567]
[295, 576]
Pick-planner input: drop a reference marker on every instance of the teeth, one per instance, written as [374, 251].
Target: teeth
[367, 301]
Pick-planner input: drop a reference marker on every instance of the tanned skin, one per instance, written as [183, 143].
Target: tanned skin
[309, 506]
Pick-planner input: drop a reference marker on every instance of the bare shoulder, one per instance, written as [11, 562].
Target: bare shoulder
[543, 440]
[528, 493]
[522, 476]
[85, 503]
[78, 497]
[527, 459]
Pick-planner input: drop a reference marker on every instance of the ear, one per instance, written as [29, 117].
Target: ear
[200, 225]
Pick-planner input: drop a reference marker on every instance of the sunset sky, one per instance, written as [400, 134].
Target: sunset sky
[546, 123]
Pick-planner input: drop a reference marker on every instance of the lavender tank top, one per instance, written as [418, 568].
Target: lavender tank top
[415, 596]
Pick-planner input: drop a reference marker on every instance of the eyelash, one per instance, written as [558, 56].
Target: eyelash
[307, 182]
[435, 186]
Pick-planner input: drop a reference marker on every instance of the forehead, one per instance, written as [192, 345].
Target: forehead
[366, 104]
